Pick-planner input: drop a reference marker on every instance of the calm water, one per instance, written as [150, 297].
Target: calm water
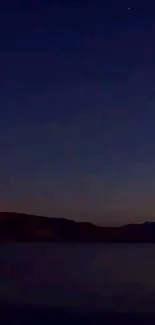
[120, 277]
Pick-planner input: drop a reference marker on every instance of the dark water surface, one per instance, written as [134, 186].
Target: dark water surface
[96, 277]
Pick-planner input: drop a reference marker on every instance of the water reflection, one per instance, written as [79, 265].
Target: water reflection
[94, 276]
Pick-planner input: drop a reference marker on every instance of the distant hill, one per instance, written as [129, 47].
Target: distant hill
[23, 227]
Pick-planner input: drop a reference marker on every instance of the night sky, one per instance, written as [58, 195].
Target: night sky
[77, 117]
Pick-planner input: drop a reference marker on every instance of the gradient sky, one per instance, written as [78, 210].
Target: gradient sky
[77, 117]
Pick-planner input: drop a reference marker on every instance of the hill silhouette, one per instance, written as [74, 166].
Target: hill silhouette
[23, 227]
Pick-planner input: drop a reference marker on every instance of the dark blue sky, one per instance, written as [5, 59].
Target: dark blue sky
[77, 117]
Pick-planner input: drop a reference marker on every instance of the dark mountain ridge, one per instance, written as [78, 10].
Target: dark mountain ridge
[23, 227]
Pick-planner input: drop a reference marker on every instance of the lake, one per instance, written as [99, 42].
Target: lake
[118, 277]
